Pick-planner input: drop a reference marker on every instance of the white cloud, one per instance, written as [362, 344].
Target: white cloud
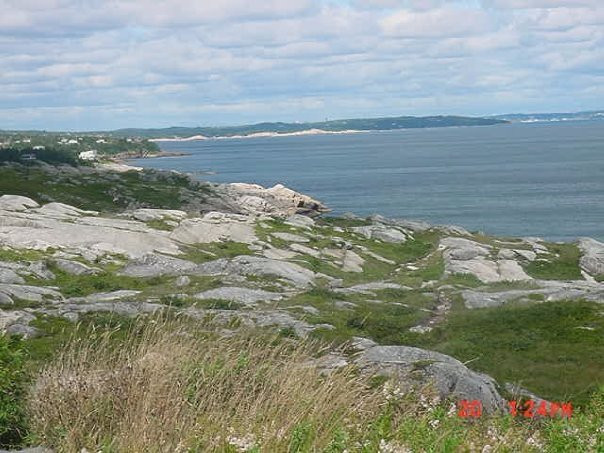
[111, 63]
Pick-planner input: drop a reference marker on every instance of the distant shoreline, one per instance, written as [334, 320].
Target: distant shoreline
[256, 135]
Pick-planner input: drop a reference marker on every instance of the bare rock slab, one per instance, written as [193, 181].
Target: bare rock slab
[414, 366]
[244, 296]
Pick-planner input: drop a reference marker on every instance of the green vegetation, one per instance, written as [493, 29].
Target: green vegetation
[101, 191]
[50, 155]
[540, 346]
[12, 392]
[255, 392]
[68, 144]
[7, 254]
[84, 285]
[385, 321]
[564, 266]
[160, 224]
[359, 124]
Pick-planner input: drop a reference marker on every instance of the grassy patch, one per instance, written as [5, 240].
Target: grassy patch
[430, 269]
[160, 224]
[101, 191]
[13, 381]
[411, 250]
[464, 280]
[21, 255]
[383, 322]
[342, 222]
[84, 285]
[563, 267]
[545, 346]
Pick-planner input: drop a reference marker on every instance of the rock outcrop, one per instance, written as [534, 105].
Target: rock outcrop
[592, 260]
[414, 367]
[463, 256]
[276, 201]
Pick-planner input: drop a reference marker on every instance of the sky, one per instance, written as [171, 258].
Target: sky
[106, 64]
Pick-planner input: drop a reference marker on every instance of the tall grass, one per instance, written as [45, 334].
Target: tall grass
[171, 387]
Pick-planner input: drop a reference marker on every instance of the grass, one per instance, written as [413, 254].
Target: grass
[563, 267]
[540, 346]
[343, 222]
[160, 224]
[84, 285]
[169, 387]
[12, 391]
[173, 386]
[383, 322]
[7, 254]
[109, 192]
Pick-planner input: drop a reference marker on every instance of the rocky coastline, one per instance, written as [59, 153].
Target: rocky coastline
[262, 256]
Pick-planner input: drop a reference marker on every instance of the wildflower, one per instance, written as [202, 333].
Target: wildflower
[434, 423]
[244, 443]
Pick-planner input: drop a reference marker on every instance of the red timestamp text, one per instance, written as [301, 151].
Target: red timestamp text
[524, 409]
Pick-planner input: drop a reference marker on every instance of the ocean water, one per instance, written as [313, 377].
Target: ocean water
[538, 179]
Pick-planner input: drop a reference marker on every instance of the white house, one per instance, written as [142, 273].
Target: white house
[39, 147]
[88, 155]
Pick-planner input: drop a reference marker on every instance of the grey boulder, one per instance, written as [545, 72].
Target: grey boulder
[413, 367]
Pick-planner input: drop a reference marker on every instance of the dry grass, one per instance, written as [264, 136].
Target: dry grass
[167, 386]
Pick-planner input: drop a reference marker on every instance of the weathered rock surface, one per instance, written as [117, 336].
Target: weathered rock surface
[16, 203]
[592, 260]
[548, 290]
[305, 250]
[36, 229]
[254, 265]
[347, 259]
[244, 296]
[146, 215]
[290, 237]
[369, 288]
[254, 318]
[381, 232]
[61, 211]
[17, 322]
[75, 267]
[105, 297]
[72, 311]
[300, 221]
[215, 227]
[30, 293]
[154, 265]
[413, 367]
[463, 256]
[278, 254]
[10, 276]
[277, 201]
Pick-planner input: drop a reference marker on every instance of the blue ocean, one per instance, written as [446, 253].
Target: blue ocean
[521, 179]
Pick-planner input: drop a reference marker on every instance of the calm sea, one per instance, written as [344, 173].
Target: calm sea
[539, 179]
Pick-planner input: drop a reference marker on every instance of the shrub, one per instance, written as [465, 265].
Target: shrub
[12, 391]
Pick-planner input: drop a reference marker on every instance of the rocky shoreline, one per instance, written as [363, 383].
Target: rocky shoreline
[261, 256]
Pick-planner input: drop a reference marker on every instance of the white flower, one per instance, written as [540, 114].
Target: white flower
[386, 447]
[244, 443]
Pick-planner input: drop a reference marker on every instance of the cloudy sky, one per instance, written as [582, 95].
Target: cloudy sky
[100, 64]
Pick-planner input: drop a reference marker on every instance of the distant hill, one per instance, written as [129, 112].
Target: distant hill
[360, 124]
[553, 117]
